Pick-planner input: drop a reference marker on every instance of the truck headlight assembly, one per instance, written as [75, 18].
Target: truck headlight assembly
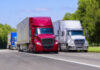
[71, 43]
[86, 43]
[15, 43]
[56, 42]
[38, 43]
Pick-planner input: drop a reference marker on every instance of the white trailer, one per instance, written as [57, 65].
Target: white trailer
[23, 37]
[23, 32]
[70, 35]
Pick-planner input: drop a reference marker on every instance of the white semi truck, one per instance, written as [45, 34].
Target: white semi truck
[69, 34]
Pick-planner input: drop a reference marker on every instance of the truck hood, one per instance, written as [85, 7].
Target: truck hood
[41, 36]
[77, 37]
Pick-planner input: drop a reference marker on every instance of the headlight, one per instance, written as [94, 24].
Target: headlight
[71, 43]
[86, 43]
[15, 42]
[56, 42]
[38, 43]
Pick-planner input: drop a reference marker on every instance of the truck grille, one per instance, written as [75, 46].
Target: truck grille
[79, 42]
[47, 43]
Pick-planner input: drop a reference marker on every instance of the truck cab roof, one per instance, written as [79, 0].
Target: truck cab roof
[41, 21]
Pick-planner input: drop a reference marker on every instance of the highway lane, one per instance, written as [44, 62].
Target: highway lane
[82, 58]
[13, 60]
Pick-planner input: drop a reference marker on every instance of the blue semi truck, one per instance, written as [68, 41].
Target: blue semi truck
[12, 40]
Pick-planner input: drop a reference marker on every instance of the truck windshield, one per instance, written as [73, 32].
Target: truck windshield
[44, 31]
[14, 38]
[76, 32]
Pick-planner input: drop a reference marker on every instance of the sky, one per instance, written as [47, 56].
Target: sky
[14, 11]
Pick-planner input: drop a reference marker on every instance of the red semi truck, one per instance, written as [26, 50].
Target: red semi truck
[35, 34]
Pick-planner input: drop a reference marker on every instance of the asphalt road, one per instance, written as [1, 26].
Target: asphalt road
[13, 60]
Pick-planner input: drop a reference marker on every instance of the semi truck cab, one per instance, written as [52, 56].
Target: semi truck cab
[69, 34]
[44, 38]
[76, 40]
[12, 40]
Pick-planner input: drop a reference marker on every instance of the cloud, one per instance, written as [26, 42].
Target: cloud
[64, 8]
[68, 9]
[36, 10]
[41, 9]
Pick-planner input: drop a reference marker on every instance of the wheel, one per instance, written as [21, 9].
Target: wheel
[67, 47]
[19, 49]
[31, 48]
[75, 51]
[60, 49]
[56, 52]
[28, 50]
[7, 46]
[34, 49]
[85, 50]
[10, 47]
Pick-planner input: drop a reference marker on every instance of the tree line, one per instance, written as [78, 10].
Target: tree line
[5, 29]
[88, 12]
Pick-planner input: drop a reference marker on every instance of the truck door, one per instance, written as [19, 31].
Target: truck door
[63, 37]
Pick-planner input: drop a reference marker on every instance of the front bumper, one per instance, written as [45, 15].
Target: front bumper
[78, 48]
[41, 49]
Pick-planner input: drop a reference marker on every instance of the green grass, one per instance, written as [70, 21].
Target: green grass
[94, 49]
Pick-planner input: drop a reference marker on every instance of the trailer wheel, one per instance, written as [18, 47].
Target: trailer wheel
[18, 46]
[28, 50]
[10, 47]
[19, 49]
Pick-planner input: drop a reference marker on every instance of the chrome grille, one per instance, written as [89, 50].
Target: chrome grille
[79, 42]
[47, 43]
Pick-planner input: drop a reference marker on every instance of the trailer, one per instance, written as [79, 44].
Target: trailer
[12, 40]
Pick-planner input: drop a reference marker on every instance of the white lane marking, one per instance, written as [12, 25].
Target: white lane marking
[7, 51]
[4, 51]
[71, 61]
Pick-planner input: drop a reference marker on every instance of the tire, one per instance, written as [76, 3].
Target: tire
[34, 49]
[67, 48]
[31, 48]
[60, 49]
[19, 49]
[28, 51]
[7, 46]
[85, 50]
[56, 52]
[10, 47]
